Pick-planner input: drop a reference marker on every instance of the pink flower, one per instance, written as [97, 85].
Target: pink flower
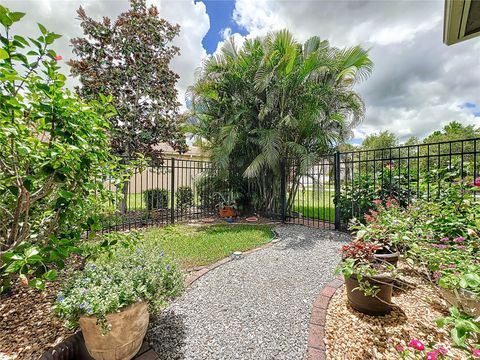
[432, 355]
[459, 239]
[476, 182]
[445, 239]
[460, 247]
[439, 246]
[476, 353]
[452, 266]
[377, 202]
[416, 344]
[437, 275]
[58, 57]
[399, 348]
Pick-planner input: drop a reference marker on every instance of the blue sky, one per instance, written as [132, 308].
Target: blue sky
[220, 13]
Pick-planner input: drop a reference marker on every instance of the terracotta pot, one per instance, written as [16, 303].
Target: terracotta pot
[227, 212]
[367, 304]
[123, 341]
[391, 258]
[463, 299]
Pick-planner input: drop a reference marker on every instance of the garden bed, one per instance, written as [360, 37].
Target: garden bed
[369, 337]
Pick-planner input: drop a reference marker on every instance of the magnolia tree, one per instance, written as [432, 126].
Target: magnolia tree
[54, 154]
[129, 59]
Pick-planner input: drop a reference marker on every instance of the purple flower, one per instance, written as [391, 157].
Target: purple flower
[82, 305]
[168, 267]
[93, 266]
[162, 253]
[439, 246]
[460, 247]
[437, 275]
[60, 298]
[452, 266]
[459, 239]
[445, 239]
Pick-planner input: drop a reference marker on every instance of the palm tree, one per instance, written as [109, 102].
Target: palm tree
[276, 101]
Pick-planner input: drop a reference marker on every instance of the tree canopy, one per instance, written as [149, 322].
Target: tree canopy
[129, 59]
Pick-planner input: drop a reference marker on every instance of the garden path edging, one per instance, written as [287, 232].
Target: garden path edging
[316, 349]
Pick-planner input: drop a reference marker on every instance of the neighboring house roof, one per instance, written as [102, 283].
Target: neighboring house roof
[462, 20]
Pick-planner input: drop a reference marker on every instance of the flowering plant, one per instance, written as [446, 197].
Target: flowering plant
[117, 281]
[418, 350]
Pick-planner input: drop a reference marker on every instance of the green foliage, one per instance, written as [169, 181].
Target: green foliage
[156, 199]
[128, 59]
[384, 139]
[129, 275]
[184, 197]
[453, 131]
[274, 100]
[464, 329]
[55, 151]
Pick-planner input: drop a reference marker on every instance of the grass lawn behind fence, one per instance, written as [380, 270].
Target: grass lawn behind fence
[199, 245]
[315, 204]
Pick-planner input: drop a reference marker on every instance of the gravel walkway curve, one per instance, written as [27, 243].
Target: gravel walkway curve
[257, 307]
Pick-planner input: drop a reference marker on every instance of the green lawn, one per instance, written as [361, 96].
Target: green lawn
[199, 245]
[315, 204]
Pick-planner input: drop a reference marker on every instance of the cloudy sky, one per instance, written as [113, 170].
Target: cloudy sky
[418, 84]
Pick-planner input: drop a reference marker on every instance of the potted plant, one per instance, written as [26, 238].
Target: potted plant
[368, 282]
[380, 228]
[110, 299]
[227, 207]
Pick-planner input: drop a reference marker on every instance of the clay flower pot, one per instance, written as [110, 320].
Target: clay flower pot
[123, 341]
[389, 257]
[379, 305]
[227, 212]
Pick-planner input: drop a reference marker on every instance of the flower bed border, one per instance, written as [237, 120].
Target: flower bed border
[316, 331]
[74, 346]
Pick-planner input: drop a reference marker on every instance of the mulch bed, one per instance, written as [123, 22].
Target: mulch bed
[27, 325]
[352, 335]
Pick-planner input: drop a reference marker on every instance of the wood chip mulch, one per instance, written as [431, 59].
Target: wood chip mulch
[27, 325]
[354, 336]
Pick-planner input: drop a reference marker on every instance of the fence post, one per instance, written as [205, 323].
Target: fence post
[172, 192]
[337, 170]
[283, 192]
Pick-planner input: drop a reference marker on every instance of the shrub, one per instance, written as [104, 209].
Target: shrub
[156, 199]
[54, 150]
[138, 272]
[184, 196]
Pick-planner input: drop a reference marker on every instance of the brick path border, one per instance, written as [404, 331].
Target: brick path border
[316, 330]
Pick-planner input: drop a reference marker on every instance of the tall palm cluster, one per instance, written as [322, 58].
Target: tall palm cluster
[276, 102]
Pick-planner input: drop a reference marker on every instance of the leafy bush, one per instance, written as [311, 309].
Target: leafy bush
[134, 273]
[184, 196]
[156, 199]
[54, 151]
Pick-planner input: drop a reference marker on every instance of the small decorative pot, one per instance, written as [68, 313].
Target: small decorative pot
[391, 258]
[227, 212]
[123, 341]
[379, 305]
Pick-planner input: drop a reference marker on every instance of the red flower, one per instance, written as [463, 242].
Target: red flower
[58, 57]
[476, 182]
[416, 344]
[432, 355]
[476, 353]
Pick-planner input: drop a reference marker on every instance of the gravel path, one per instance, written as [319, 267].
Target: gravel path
[257, 307]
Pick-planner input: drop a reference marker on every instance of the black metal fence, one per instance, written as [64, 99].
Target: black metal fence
[325, 194]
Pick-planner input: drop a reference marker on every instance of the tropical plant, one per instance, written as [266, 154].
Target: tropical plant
[54, 152]
[275, 102]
